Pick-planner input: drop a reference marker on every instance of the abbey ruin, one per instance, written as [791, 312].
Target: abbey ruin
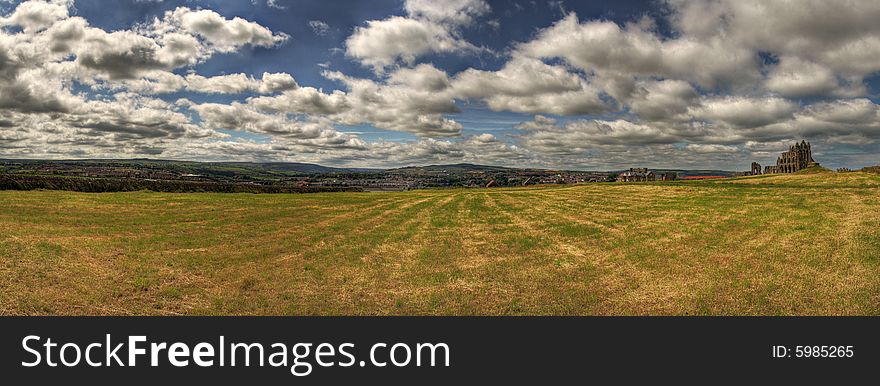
[799, 156]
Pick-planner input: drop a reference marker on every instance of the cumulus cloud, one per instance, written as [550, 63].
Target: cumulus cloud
[39, 65]
[529, 85]
[612, 51]
[220, 34]
[745, 112]
[315, 132]
[481, 148]
[121, 54]
[33, 16]
[710, 148]
[133, 117]
[584, 135]
[853, 111]
[304, 100]
[240, 83]
[811, 36]
[460, 12]
[382, 43]
[430, 27]
[615, 144]
[412, 100]
[399, 107]
[727, 80]
[795, 77]
[661, 100]
[718, 44]
[422, 77]
[180, 38]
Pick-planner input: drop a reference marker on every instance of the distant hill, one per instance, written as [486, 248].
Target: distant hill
[451, 168]
[298, 167]
[195, 167]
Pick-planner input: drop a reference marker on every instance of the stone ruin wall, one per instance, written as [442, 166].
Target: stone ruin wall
[798, 157]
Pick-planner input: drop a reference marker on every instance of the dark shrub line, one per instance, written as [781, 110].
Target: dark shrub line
[99, 185]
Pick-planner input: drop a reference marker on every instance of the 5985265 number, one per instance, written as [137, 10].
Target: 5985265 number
[824, 351]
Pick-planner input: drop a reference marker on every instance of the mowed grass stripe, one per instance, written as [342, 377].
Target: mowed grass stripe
[769, 245]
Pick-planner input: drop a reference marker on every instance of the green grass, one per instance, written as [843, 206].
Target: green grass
[801, 244]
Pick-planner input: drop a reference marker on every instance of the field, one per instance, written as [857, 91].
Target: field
[804, 244]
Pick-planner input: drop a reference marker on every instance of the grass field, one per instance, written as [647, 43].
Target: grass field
[770, 245]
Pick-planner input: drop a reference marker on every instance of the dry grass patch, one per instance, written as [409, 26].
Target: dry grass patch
[802, 244]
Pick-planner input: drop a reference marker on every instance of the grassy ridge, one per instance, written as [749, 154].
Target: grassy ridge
[764, 245]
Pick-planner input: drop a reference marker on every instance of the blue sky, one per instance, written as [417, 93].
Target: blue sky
[302, 55]
[573, 84]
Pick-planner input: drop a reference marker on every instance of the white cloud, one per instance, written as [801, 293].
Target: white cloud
[53, 50]
[606, 49]
[813, 36]
[529, 85]
[240, 83]
[274, 82]
[660, 100]
[382, 43]
[519, 77]
[430, 27]
[460, 12]
[853, 111]
[303, 100]
[733, 78]
[34, 16]
[119, 55]
[274, 4]
[545, 135]
[399, 107]
[223, 84]
[412, 101]
[315, 132]
[745, 112]
[422, 77]
[710, 148]
[320, 28]
[134, 117]
[795, 77]
[220, 34]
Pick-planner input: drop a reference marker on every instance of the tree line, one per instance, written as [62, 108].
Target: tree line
[100, 185]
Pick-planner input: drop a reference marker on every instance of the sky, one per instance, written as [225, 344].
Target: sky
[589, 85]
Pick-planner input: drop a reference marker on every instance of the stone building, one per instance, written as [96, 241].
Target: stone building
[756, 168]
[667, 176]
[637, 175]
[799, 156]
